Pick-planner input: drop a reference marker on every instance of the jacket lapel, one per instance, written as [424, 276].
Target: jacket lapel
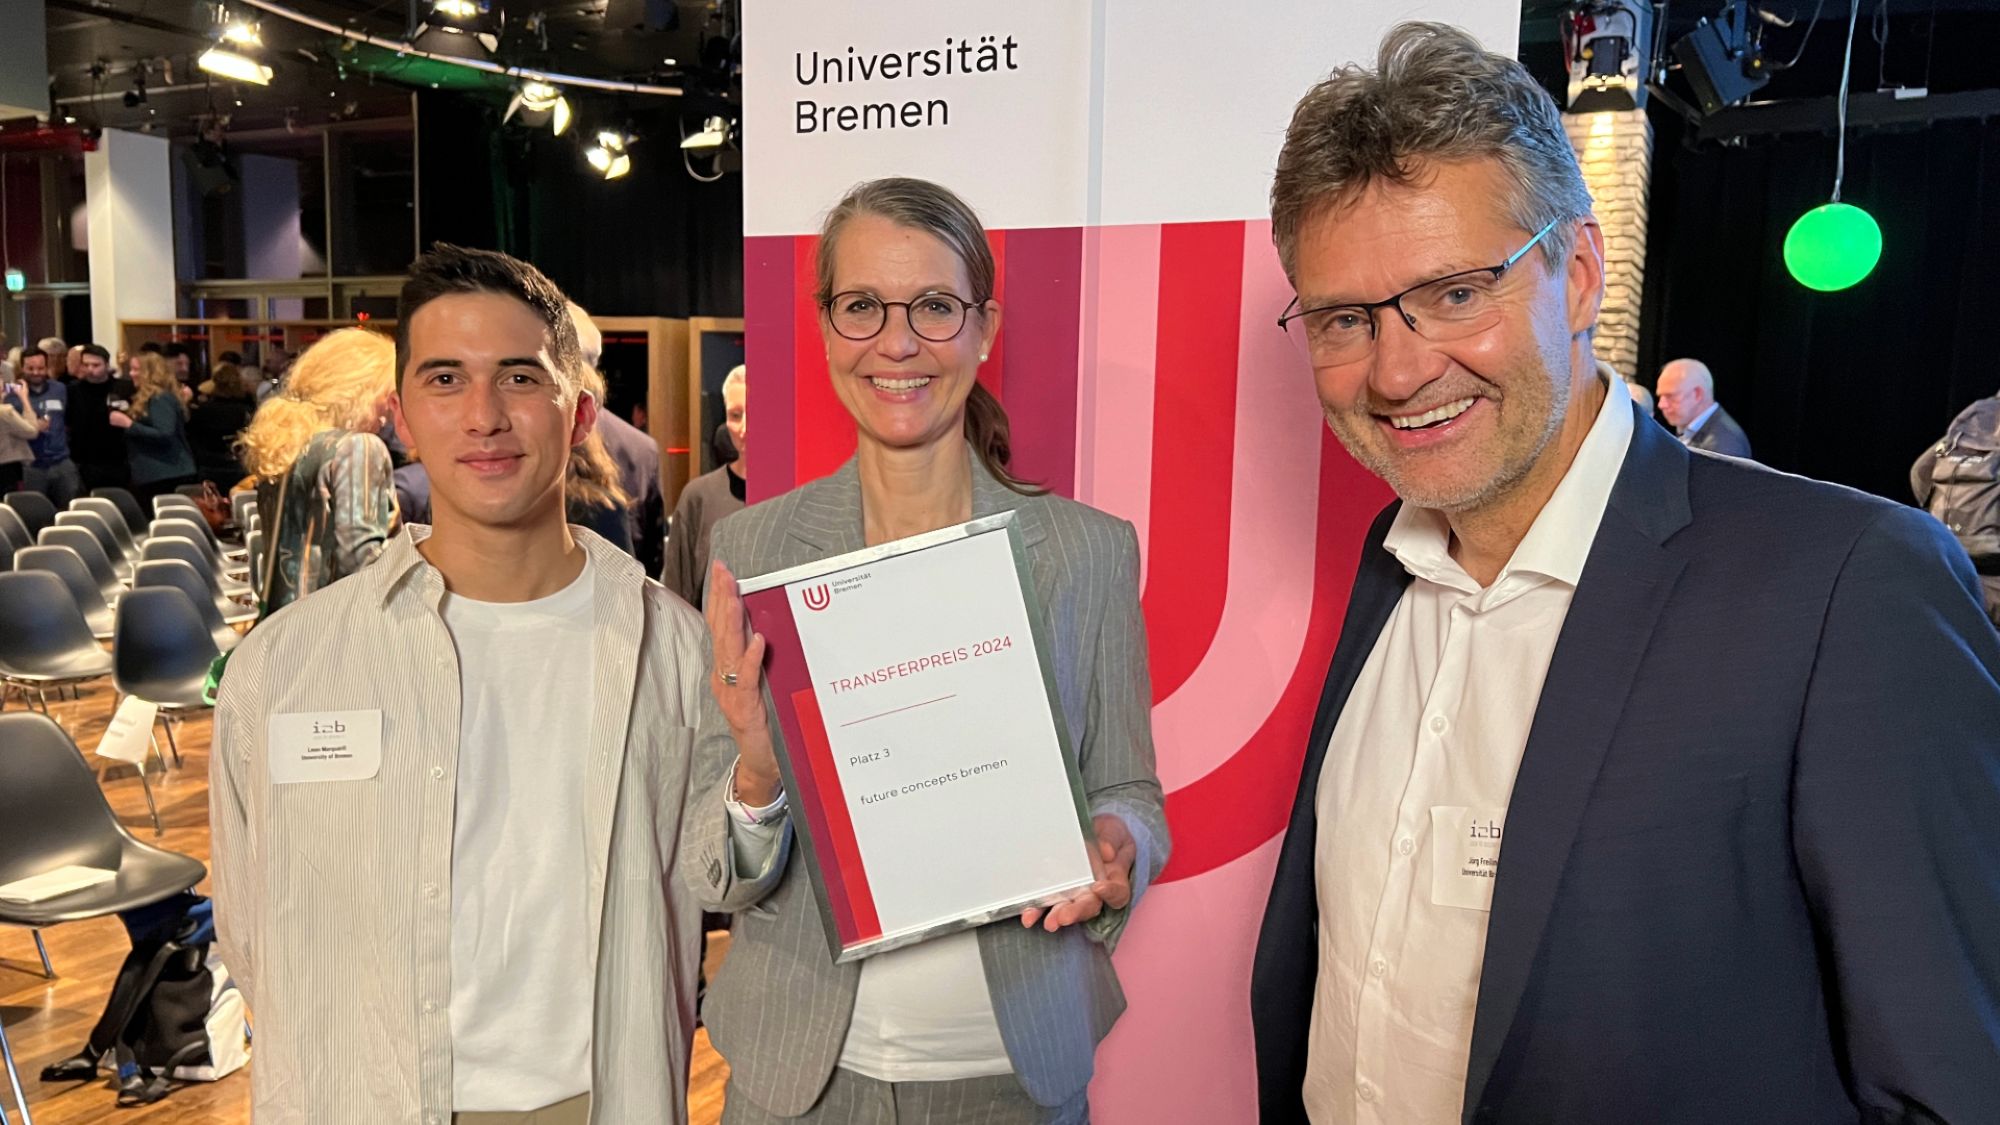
[828, 518]
[1625, 585]
[620, 620]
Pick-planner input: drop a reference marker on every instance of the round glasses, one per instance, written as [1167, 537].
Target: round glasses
[937, 317]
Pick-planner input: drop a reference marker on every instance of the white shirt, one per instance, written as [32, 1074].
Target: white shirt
[1701, 420]
[1412, 800]
[520, 933]
[922, 1013]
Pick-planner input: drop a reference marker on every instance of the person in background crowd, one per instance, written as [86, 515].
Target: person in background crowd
[1738, 730]
[75, 365]
[710, 497]
[180, 357]
[1687, 399]
[156, 446]
[97, 447]
[17, 428]
[51, 473]
[323, 473]
[998, 1024]
[58, 353]
[219, 417]
[1957, 479]
[635, 453]
[518, 839]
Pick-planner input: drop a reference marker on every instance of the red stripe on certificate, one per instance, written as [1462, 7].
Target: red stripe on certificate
[840, 840]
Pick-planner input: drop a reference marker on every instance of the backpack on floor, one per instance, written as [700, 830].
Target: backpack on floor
[173, 1014]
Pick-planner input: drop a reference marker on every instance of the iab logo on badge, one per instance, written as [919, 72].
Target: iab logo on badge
[323, 746]
[1465, 855]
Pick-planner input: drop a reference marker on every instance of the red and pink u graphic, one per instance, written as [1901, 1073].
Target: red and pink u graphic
[1144, 374]
[817, 597]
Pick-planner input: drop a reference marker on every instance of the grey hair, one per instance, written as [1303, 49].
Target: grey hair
[1435, 95]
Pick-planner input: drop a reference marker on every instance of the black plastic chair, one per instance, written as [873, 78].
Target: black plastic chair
[182, 576]
[13, 530]
[47, 642]
[52, 814]
[113, 518]
[35, 509]
[175, 547]
[161, 652]
[128, 505]
[102, 571]
[94, 523]
[197, 533]
[64, 564]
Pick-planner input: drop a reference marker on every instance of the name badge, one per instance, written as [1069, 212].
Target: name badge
[1465, 855]
[310, 746]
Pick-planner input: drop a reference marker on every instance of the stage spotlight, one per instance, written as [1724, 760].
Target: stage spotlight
[227, 63]
[241, 32]
[1606, 43]
[462, 28]
[1721, 59]
[539, 103]
[136, 96]
[609, 156]
[714, 134]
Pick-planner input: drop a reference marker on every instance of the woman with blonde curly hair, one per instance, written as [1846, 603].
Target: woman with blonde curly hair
[156, 441]
[323, 474]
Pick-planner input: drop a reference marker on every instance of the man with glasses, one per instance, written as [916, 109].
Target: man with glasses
[1687, 401]
[1738, 731]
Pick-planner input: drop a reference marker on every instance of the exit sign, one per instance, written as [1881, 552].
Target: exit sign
[16, 281]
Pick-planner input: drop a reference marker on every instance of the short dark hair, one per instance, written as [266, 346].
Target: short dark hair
[27, 353]
[230, 357]
[449, 269]
[98, 350]
[176, 350]
[152, 347]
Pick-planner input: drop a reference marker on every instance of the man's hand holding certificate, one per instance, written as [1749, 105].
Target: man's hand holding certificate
[923, 758]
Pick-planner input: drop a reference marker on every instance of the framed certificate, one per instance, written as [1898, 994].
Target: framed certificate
[932, 782]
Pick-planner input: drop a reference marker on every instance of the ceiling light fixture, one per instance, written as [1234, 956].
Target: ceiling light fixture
[609, 156]
[714, 134]
[539, 103]
[226, 63]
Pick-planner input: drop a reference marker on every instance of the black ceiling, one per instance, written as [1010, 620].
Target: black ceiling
[99, 50]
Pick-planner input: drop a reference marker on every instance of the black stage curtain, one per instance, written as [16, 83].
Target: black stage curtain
[653, 243]
[1850, 386]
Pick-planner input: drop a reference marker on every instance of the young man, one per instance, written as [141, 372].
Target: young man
[448, 789]
[1738, 730]
[51, 473]
[97, 447]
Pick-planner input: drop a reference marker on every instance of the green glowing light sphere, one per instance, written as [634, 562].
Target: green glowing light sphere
[1833, 246]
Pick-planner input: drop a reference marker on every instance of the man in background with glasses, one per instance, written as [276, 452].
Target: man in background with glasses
[1646, 785]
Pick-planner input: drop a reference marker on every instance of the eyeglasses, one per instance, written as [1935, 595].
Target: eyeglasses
[937, 317]
[1452, 307]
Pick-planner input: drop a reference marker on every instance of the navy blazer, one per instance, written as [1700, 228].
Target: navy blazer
[1752, 864]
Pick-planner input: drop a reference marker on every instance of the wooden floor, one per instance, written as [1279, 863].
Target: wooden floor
[47, 1020]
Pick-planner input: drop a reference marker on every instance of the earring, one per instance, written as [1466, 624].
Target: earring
[982, 357]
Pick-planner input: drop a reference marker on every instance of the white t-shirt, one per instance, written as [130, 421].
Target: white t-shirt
[922, 1013]
[521, 994]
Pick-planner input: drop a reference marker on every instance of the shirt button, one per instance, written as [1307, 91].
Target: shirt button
[1406, 845]
[1366, 1090]
[1379, 968]
[430, 890]
[1438, 724]
[437, 773]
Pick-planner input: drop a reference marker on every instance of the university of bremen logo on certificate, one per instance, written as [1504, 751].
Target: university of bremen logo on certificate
[817, 597]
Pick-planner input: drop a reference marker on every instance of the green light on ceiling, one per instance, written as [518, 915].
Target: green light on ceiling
[16, 281]
[1833, 246]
